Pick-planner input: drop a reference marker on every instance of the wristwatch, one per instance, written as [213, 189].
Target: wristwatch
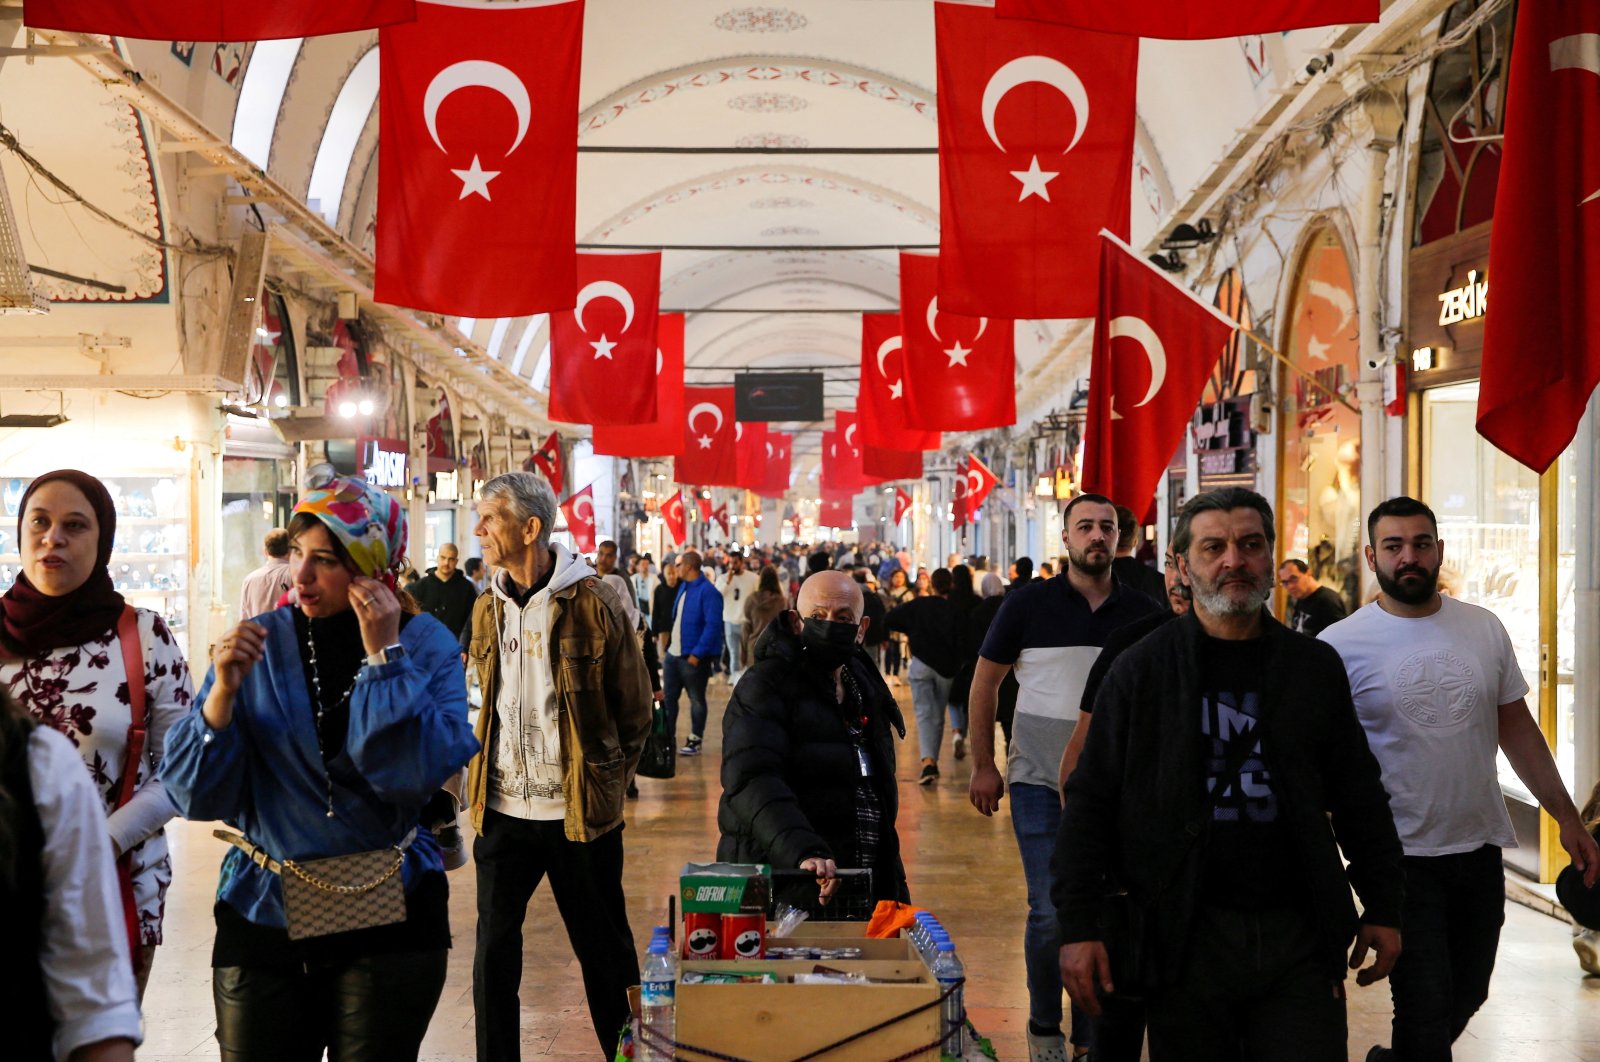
[386, 655]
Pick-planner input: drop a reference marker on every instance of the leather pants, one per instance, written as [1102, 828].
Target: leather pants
[370, 1009]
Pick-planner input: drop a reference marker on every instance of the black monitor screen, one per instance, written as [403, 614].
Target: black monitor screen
[764, 396]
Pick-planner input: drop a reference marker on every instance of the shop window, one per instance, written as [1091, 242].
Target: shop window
[253, 503]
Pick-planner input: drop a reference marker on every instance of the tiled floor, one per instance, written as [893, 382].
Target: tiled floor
[961, 865]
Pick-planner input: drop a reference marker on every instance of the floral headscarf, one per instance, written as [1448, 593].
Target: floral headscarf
[367, 522]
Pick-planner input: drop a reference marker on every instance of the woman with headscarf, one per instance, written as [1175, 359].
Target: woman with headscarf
[322, 731]
[70, 637]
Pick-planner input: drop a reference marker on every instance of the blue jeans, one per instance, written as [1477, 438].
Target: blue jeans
[732, 637]
[929, 693]
[678, 676]
[1035, 819]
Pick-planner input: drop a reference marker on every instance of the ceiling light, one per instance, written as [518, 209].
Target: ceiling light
[281, 400]
[1169, 262]
[1185, 236]
[365, 407]
[347, 409]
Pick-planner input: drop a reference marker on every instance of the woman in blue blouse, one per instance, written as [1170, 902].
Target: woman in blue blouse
[322, 730]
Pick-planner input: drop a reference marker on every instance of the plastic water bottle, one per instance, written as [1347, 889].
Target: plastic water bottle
[919, 932]
[657, 992]
[950, 973]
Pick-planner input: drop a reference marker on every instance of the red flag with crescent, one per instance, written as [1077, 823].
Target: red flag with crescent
[980, 481]
[663, 436]
[959, 513]
[720, 516]
[1155, 345]
[703, 501]
[1541, 340]
[902, 504]
[880, 466]
[882, 401]
[841, 455]
[579, 511]
[750, 460]
[478, 158]
[837, 510]
[795, 521]
[1036, 125]
[672, 516]
[547, 459]
[707, 454]
[216, 20]
[1192, 19]
[604, 352]
[959, 371]
[775, 483]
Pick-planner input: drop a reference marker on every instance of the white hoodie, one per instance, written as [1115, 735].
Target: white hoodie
[525, 779]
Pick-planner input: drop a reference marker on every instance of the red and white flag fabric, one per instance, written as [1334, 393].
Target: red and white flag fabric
[662, 437]
[902, 505]
[959, 371]
[216, 20]
[478, 158]
[547, 459]
[1036, 125]
[1541, 340]
[882, 401]
[836, 510]
[879, 465]
[980, 481]
[1154, 347]
[672, 516]
[579, 511]
[604, 352]
[750, 460]
[841, 466]
[779, 447]
[1191, 19]
[719, 516]
[707, 455]
[960, 515]
[703, 501]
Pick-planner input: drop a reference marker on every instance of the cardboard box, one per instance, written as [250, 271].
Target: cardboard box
[725, 888]
[774, 1023]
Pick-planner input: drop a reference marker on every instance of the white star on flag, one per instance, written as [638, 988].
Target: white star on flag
[475, 180]
[705, 442]
[895, 388]
[603, 348]
[1035, 181]
[957, 355]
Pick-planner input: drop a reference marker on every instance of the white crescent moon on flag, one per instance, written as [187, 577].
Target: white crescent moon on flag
[1136, 329]
[659, 360]
[577, 508]
[850, 436]
[478, 73]
[607, 289]
[1046, 71]
[738, 430]
[1581, 51]
[706, 407]
[887, 347]
[933, 311]
[974, 481]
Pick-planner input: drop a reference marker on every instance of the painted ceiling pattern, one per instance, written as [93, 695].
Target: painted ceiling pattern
[760, 20]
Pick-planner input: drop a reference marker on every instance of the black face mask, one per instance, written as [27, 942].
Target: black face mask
[828, 643]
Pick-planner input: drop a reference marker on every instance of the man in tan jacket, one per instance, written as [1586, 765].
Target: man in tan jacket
[566, 709]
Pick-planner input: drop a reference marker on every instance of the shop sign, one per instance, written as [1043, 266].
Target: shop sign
[444, 486]
[1224, 441]
[384, 461]
[1447, 298]
[1466, 303]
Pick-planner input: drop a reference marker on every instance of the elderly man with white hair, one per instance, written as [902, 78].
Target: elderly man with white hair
[808, 752]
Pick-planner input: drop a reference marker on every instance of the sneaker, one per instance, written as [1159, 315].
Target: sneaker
[1047, 1048]
[930, 773]
[1587, 945]
[690, 749]
[452, 848]
[961, 747]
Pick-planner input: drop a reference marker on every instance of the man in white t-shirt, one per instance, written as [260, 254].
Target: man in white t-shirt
[1437, 688]
[736, 585]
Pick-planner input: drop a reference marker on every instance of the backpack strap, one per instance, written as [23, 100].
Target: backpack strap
[133, 663]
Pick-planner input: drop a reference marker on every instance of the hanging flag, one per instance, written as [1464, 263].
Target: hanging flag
[980, 481]
[882, 401]
[478, 158]
[1155, 345]
[776, 482]
[795, 520]
[604, 353]
[841, 461]
[549, 461]
[672, 516]
[702, 500]
[837, 510]
[879, 465]
[720, 516]
[750, 460]
[1036, 126]
[707, 455]
[662, 437]
[1541, 340]
[902, 505]
[959, 371]
[960, 515]
[579, 511]
[215, 20]
[1192, 19]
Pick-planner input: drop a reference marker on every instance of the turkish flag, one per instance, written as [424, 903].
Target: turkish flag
[1036, 127]
[882, 401]
[776, 482]
[795, 520]
[478, 158]
[704, 504]
[841, 455]
[548, 460]
[706, 454]
[672, 516]
[879, 465]
[750, 460]
[603, 352]
[720, 515]
[837, 510]
[216, 20]
[959, 371]
[959, 513]
[1541, 340]
[664, 435]
[1191, 19]
[579, 511]
[902, 505]
[1155, 345]
[980, 481]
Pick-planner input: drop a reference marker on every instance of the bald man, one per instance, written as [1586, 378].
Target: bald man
[808, 750]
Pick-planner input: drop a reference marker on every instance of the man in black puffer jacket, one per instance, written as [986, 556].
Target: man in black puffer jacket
[808, 753]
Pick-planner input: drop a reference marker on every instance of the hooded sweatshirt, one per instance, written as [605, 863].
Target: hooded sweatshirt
[525, 771]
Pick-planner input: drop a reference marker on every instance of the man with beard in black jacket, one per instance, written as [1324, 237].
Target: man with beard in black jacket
[808, 749]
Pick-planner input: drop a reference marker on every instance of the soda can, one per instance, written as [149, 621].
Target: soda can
[744, 936]
[701, 933]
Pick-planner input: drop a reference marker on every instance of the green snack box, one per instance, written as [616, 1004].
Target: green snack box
[725, 888]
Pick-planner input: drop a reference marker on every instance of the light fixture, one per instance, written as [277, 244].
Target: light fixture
[37, 420]
[1169, 262]
[1185, 236]
[347, 409]
[280, 400]
[1045, 487]
[365, 407]
[660, 475]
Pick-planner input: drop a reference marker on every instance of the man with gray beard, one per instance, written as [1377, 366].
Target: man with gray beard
[1223, 749]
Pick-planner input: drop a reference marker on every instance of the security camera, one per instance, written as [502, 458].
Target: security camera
[1375, 363]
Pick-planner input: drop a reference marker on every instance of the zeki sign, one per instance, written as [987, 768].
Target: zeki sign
[384, 461]
[1466, 303]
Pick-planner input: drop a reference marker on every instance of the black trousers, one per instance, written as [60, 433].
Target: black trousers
[1254, 989]
[371, 1009]
[1454, 908]
[512, 856]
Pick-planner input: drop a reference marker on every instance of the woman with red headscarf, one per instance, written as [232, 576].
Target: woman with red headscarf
[68, 667]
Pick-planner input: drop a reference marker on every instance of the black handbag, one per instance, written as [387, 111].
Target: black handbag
[659, 759]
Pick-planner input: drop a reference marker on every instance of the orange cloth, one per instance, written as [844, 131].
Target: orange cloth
[890, 917]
